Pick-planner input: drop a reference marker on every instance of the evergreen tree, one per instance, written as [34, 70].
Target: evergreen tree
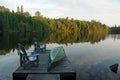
[18, 9]
[21, 8]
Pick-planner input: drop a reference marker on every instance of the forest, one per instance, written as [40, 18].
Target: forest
[115, 29]
[21, 21]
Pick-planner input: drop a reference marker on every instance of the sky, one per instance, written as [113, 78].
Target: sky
[105, 11]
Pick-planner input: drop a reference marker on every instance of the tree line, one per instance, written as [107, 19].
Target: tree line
[23, 21]
[74, 26]
[77, 26]
[115, 29]
[19, 21]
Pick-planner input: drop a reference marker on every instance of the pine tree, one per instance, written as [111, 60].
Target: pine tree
[21, 8]
[18, 9]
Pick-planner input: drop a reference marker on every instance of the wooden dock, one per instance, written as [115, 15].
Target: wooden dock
[63, 68]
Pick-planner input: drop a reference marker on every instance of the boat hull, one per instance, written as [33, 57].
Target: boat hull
[56, 55]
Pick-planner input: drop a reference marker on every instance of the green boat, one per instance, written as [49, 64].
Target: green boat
[56, 55]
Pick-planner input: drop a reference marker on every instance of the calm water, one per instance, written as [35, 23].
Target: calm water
[91, 61]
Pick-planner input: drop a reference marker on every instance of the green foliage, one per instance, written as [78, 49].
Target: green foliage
[26, 14]
[22, 21]
[3, 9]
[19, 21]
[115, 30]
[76, 26]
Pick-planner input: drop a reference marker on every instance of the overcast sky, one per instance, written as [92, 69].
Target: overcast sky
[105, 11]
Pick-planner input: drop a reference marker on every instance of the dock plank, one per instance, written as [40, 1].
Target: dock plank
[43, 77]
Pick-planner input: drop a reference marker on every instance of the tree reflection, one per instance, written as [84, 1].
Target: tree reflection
[8, 41]
[115, 36]
[68, 37]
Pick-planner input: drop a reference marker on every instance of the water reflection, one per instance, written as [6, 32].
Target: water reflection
[8, 41]
[115, 36]
[66, 38]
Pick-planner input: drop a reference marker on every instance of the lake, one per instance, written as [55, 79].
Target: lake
[92, 58]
